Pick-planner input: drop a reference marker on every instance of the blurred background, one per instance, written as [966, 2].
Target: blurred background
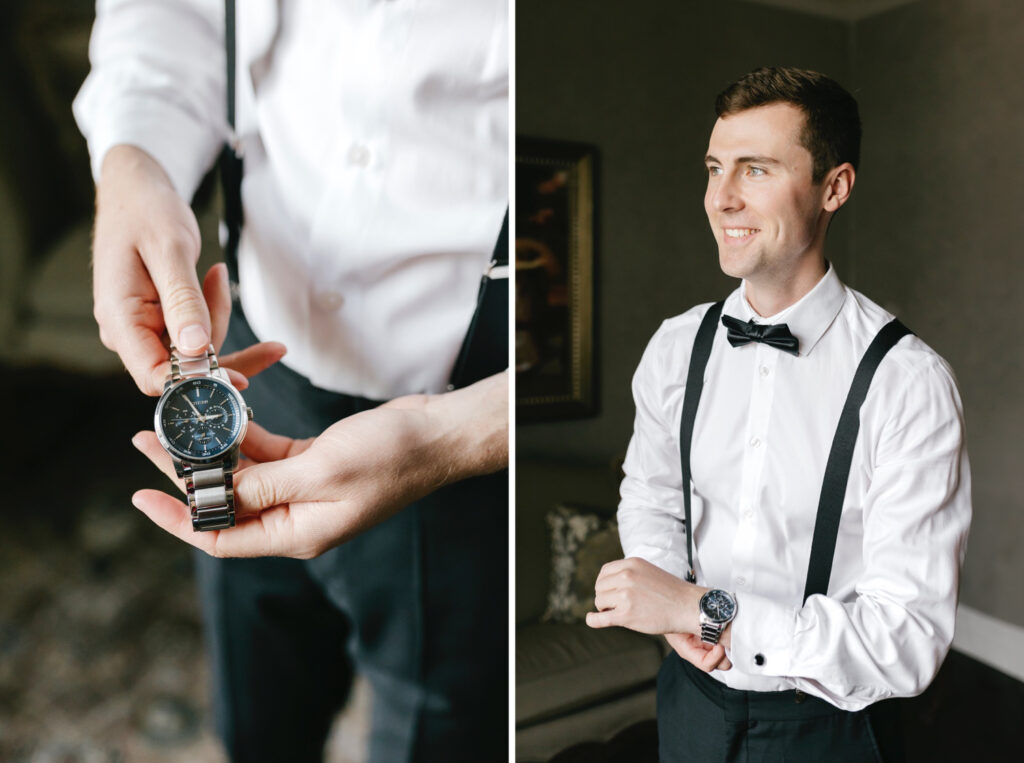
[101, 653]
[933, 233]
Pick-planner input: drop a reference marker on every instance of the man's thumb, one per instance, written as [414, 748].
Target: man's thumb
[185, 312]
[263, 486]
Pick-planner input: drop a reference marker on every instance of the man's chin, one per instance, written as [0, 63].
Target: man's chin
[732, 266]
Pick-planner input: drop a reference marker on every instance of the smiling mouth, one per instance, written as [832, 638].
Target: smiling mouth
[740, 233]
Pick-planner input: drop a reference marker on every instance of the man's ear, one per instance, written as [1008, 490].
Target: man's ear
[838, 186]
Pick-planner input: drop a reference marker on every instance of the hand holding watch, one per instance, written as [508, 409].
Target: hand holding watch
[201, 421]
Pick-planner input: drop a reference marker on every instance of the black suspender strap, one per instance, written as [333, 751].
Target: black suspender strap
[485, 347]
[691, 399]
[229, 48]
[837, 469]
[230, 161]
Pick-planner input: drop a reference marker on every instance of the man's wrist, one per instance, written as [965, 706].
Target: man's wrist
[125, 161]
[692, 607]
[465, 432]
[474, 421]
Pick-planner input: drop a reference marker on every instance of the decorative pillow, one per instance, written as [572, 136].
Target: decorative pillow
[581, 542]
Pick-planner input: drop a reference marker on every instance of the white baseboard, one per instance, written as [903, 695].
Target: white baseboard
[995, 642]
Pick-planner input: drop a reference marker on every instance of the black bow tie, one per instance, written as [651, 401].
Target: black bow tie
[775, 335]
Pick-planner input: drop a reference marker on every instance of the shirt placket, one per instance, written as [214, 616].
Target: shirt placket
[752, 478]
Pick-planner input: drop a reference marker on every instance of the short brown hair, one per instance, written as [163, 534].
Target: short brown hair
[832, 128]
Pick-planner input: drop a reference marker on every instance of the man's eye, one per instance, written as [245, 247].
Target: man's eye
[756, 171]
[714, 170]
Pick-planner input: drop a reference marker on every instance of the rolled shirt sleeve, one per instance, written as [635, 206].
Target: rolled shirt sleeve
[157, 82]
[890, 637]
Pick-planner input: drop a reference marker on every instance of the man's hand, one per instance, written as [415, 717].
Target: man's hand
[145, 249]
[635, 594]
[299, 498]
[697, 653]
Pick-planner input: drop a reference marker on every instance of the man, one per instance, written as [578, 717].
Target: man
[374, 140]
[775, 665]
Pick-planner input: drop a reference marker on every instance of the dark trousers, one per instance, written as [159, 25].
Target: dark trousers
[703, 721]
[418, 604]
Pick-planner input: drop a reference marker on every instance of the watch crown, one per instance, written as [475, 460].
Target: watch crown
[248, 412]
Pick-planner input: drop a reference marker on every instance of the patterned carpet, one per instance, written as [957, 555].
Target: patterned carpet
[101, 655]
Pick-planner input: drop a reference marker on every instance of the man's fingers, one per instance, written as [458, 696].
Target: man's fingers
[606, 577]
[604, 600]
[274, 483]
[239, 381]
[132, 325]
[713, 658]
[261, 445]
[171, 264]
[602, 619]
[615, 572]
[173, 516]
[255, 358]
[257, 489]
[254, 537]
[217, 293]
[148, 444]
[697, 653]
[143, 353]
[273, 532]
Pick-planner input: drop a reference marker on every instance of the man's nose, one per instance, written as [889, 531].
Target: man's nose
[725, 196]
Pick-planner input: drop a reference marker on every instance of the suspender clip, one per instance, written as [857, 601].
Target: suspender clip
[236, 144]
[496, 271]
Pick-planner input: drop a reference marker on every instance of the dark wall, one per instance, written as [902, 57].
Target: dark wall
[939, 230]
[640, 85]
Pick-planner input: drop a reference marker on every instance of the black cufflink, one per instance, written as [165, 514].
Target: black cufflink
[759, 659]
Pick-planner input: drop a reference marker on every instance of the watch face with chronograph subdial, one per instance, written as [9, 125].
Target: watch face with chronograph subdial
[200, 418]
[718, 606]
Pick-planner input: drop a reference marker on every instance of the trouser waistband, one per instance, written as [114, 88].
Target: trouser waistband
[740, 705]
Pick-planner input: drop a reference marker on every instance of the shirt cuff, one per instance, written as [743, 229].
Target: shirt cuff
[183, 146]
[762, 636]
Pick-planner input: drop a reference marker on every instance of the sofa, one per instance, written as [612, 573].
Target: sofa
[574, 684]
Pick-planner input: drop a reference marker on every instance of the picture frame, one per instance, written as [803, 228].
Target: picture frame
[554, 279]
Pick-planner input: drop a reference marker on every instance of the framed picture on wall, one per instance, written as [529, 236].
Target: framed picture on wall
[554, 281]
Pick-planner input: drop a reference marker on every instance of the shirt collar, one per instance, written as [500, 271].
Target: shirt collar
[808, 318]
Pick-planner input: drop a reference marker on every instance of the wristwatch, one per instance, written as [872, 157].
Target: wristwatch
[717, 610]
[201, 421]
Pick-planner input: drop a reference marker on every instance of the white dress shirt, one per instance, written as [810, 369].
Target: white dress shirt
[375, 142]
[761, 439]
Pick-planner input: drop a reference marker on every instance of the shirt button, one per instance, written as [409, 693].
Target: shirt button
[358, 155]
[748, 515]
[741, 581]
[755, 442]
[759, 659]
[764, 371]
[328, 300]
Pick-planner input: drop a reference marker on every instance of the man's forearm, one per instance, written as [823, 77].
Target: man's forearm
[474, 421]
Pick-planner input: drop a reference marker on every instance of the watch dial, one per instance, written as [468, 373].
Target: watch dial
[201, 418]
[718, 606]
